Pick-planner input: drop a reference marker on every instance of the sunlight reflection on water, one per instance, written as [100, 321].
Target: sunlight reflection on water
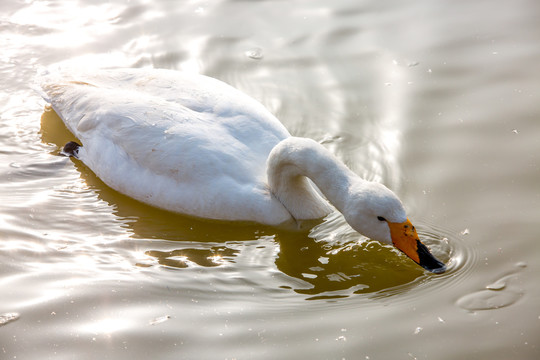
[107, 326]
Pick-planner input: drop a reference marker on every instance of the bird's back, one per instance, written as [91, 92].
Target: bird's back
[183, 142]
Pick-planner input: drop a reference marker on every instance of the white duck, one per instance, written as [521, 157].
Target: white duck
[195, 145]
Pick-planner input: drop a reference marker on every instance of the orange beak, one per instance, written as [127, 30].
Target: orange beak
[405, 238]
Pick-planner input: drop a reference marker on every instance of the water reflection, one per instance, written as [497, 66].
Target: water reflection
[107, 326]
[331, 271]
[331, 261]
[182, 258]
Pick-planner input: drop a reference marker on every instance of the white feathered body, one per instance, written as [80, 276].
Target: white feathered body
[185, 143]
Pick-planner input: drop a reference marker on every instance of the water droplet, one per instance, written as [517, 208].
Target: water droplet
[412, 63]
[417, 330]
[341, 338]
[255, 54]
[521, 264]
[440, 319]
[515, 131]
[465, 232]
[497, 285]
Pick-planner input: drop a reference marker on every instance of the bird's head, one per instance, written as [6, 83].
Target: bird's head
[376, 212]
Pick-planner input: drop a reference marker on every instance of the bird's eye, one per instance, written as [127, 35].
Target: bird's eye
[380, 218]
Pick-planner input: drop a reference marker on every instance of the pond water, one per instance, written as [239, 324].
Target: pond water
[438, 100]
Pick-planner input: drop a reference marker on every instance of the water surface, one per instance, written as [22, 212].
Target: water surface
[438, 100]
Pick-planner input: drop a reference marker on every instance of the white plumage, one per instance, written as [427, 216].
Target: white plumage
[185, 143]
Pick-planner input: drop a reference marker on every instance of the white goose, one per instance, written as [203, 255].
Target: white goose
[194, 145]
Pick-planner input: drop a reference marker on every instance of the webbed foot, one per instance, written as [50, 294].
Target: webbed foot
[71, 149]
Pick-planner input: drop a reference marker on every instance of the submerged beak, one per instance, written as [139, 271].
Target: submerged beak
[405, 238]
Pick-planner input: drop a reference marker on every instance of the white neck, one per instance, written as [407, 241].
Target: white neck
[294, 160]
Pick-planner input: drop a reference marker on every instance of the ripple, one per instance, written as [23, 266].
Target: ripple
[447, 246]
[333, 262]
[340, 263]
